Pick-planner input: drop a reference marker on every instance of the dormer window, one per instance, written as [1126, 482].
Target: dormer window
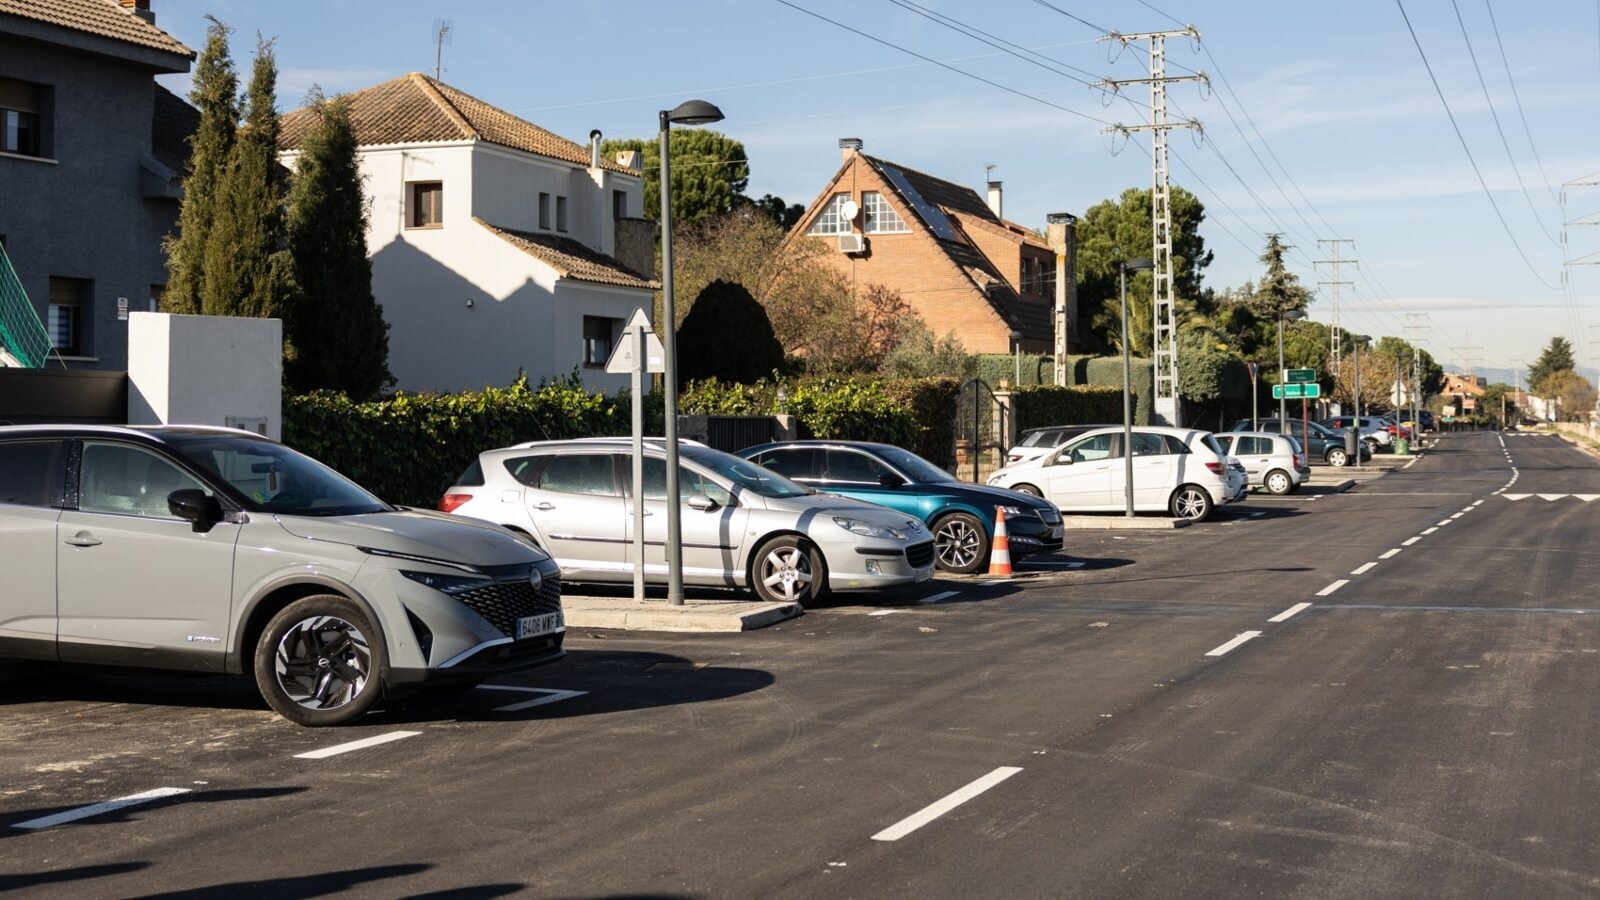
[832, 219]
[881, 217]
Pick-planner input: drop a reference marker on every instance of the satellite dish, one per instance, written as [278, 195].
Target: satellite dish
[849, 209]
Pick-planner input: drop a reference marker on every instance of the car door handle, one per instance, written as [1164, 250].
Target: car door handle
[644, 513]
[82, 539]
[546, 506]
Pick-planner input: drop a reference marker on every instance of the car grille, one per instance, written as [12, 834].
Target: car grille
[1050, 516]
[504, 602]
[919, 555]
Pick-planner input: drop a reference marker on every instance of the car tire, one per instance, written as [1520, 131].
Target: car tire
[1190, 501]
[1372, 445]
[1028, 489]
[1278, 482]
[1338, 458]
[960, 544]
[789, 569]
[320, 661]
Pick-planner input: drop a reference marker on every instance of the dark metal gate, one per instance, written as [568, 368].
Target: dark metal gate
[980, 431]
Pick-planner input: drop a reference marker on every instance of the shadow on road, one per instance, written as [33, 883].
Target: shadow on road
[62, 876]
[303, 886]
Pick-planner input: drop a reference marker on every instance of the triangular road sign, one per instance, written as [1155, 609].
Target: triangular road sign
[622, 362]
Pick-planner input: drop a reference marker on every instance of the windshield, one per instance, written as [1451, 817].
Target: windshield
[919, 470]
[745, 474]
[278, 480]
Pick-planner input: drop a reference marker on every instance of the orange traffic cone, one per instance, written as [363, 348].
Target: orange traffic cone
[1000, 554]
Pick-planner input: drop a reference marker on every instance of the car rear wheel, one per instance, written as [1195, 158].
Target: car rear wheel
[1028, 489]
[961, 544]
[1338, 458]
[1279, 482]
[789, 569]
[320, 661]
[1190, 502]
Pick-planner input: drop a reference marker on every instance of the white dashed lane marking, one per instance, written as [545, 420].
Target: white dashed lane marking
[1390, 554]
[1333, 587]
[1363, 569]
[1409, 541]
[1231, 645]
[1290, 613]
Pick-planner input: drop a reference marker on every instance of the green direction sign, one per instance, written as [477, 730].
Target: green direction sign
[1296, 391]
[1301, 376]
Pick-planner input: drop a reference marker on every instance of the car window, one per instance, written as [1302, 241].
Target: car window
[853, 467]
[1089, 449]
[28, 472]
[580, 473]
[1258, 446]
[690, 483]
[1037, 439]
[1145, 444]
[1175, 445]
[1211, 442]
[129, 481]
[273, 478]
[525, 469]
[791, 462]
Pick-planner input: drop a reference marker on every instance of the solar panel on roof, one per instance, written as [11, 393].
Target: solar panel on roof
[932, 215]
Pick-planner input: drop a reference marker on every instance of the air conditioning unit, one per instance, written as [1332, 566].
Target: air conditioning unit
[852, 243]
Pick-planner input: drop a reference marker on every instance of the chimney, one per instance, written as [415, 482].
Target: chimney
[629, 159]
[849, 147]
[996, 204]
[594, 149]
[140, 8]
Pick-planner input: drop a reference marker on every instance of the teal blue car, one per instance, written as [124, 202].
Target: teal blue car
[960, 515]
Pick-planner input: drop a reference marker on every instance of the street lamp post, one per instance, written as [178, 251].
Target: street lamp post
[1357, 340]
[1283, 373]
[691, 112]
[1132, 265]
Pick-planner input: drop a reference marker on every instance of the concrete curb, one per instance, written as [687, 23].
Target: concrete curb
[627, 614]
[1121, 523]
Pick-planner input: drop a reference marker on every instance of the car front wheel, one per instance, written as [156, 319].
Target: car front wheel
[320, 661]
[789, 569]
[1190, 502]
[961, 543]
[1279, 482]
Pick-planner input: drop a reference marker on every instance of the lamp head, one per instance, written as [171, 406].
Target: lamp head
[694, 112]
[1137, 265]
[1293, 314]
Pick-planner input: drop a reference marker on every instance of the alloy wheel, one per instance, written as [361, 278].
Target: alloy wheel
[787, 571]
[323, 662]
[958, 543]
[1190, 504]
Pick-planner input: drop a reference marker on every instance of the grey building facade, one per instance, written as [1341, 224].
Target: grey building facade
[92, 154]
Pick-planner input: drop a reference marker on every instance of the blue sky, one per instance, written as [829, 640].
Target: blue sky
[1337, 91]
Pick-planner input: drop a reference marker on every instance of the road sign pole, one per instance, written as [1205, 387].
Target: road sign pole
[641, 361]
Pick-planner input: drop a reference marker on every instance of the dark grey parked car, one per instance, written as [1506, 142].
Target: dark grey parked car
[1322, 445]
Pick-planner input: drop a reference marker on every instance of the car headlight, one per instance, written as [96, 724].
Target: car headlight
[1015, 512]
[449, 584]
[868, 529]
[994, 480]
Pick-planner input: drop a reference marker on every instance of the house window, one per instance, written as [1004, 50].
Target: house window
[1025, 280]
[881, 217]
[599, 336]
[831, 220]
[156, 290]
[544, 211]
[561, 214]
[427, 204]
[619, 205]
[19, 117]
[69, 307]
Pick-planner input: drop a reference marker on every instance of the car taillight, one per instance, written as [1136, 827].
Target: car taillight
[1215, 467]
[449, 502]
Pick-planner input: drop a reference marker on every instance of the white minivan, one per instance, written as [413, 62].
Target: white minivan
[1179, 471]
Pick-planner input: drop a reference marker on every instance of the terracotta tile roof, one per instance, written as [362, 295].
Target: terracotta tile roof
[416, 109]
[103, 18]
[572, 259]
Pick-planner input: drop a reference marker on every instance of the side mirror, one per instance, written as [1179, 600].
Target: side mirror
[890, 480]
[1063, 460]
[701, 502]
[199, 509]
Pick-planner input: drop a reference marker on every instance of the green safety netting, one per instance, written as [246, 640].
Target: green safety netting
[22, 335]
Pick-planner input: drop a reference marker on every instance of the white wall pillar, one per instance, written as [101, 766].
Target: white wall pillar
[206, 370]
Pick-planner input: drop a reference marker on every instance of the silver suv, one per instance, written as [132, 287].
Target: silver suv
[216, 550]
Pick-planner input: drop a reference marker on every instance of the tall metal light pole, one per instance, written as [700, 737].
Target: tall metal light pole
[691, 112]
[1283, 373]
[1357, 340]
[1132, 265]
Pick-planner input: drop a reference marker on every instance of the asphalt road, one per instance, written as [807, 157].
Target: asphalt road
[1155, 715]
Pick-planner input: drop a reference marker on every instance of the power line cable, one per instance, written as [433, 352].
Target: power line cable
[1517, 97]
[1075, 18]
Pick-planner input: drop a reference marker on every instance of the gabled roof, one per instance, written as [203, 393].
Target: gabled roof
[102, 18]
[571, 259]
[416, 109]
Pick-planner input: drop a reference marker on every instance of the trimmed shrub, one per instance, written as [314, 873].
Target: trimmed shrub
[931, 403]
[727, 335]
[1107, 371]
[1037, 368]
[1045, 405]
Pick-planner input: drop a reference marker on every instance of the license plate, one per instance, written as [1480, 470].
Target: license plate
[925, 575]
[1055, 533]
[535, 626]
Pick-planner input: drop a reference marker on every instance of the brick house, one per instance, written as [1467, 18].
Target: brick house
[950, 255]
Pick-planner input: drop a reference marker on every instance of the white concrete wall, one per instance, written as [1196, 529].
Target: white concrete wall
[205, 370]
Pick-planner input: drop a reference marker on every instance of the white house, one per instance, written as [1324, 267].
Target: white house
[496, 245]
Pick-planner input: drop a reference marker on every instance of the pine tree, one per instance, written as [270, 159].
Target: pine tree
[247, 267]
[215, 94]
[1279, 290]
[1557, 357]
[334, 328]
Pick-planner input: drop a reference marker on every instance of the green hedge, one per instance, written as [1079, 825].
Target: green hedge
[1046, 405]
[1107, 370]
[1037, 368]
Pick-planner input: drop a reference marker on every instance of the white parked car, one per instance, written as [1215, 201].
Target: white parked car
[1272, 461]
[1180, 471]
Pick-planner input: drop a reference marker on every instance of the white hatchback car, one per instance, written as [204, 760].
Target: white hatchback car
[1180, 471]
[1273, 461]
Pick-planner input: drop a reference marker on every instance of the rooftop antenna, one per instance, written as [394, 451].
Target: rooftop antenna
[441, 38]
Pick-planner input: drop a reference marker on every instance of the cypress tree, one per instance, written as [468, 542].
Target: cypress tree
[215, 94]
[246, 262]
[334, 328]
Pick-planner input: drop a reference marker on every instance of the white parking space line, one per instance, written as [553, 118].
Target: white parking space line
[928, 813]
[1236, 642]
[1430, 530]
[362, 744]
[1409, 541]
[1333, 587]
[946, 595]
[1390, 554]
[1363, 569]
[1289, 613]
[551, 695]
[84, 812]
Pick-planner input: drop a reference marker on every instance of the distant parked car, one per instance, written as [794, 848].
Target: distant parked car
[743, 526]
[1321, 445]
[1181, 471]
[1274, 461]
[1036, 442]
[1374, 430]
[960, 515]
